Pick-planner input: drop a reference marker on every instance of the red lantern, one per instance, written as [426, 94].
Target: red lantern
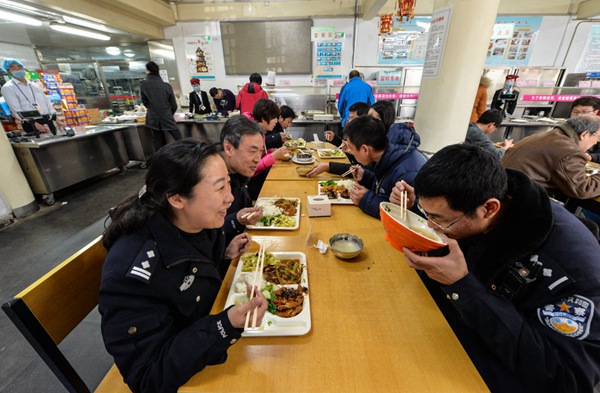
[406, 9]
[385, 24]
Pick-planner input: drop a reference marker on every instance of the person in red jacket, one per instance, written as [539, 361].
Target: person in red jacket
[250, 93]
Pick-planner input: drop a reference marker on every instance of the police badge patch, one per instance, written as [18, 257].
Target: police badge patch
[570, 317]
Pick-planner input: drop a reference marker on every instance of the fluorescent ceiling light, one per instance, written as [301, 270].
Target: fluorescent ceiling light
[85, 23]
[129, 53]
[19, 18]
[80, 32]
[18, 6]
[113, 50]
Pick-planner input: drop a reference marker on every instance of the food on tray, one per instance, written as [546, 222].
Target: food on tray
[278, 213]
[284, 271]
[333, 188]
[331, 153]
[249, 261]
[289, 301]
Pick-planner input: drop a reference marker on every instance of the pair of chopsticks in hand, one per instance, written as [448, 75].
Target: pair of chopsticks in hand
[349, 171]
[403, 204]
[257, 280]
[248, 215]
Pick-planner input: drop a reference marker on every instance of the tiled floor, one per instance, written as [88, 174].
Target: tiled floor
[32, 246]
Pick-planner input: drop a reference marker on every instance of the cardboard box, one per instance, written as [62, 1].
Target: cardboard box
[318, 206]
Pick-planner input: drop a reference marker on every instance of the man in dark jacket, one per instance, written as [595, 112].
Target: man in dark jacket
[250, 93]
[277, 137]
[395, 155]
[520, 285]
[224, 100]
[160, 102]
[242, 142]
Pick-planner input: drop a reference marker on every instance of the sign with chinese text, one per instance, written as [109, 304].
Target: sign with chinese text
[406, 43]
[329, 59]
[512, 40]
[590, 57]
[199, 57]
[436, 42]
[322, 33]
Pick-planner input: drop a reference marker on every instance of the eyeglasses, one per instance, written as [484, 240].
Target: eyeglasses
[578, 113]
[435, 223]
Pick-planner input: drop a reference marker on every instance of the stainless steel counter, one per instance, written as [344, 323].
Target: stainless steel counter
[517, 130]
[51, 163]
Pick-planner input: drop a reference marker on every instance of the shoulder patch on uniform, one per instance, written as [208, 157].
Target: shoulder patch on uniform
[570, 317]
[142, 267]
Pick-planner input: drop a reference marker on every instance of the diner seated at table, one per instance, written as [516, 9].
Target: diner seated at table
[556, 159]
[265, 112]
[394, 154]
[165, 264]
[277, 136]
[242, 143]
[355, 110]
[380, 110]
[519, 285]
[478, 132]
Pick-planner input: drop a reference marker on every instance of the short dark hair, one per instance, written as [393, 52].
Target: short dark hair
[386, 111]
[361, 108]
[353, 74]
[265, 109]
[236, 127]
[213, 91]
[152, 67]
[587, 101]
[286, 112]
[465, 175]
[256, 78]
[491, 116]
[366, 130]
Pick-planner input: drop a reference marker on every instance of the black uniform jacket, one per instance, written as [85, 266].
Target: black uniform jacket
[241, 199]
[158, 287]
[547, 338]
[160, 102]
[273, 138]
[198, 105]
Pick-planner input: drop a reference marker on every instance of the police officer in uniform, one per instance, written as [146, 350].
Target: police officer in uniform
[520, 285]
[166, 261]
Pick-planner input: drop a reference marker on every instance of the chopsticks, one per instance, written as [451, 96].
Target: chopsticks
[257, 277]
[250, 214]
[349, 171]
[403, 204]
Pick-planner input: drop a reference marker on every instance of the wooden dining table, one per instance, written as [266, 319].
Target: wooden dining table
[374, 326]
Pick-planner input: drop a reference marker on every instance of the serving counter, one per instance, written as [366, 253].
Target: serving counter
[53, 162]
[374, 326]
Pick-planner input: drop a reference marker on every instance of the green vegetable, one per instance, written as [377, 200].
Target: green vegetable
[271, 307]
[329, 182]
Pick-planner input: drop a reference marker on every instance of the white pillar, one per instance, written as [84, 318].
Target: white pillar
[445, 103]
[13, 183]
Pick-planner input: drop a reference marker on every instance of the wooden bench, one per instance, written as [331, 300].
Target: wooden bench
[50, 308]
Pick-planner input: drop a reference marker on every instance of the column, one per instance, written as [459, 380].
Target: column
[13, 183]
[445, 102]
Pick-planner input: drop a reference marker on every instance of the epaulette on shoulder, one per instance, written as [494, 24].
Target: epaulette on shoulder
[142, 267]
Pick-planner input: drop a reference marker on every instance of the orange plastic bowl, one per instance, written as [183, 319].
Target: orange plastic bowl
[403, 233]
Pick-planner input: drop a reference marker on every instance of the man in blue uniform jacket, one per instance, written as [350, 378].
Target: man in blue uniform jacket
[520, 285]
[354, 91]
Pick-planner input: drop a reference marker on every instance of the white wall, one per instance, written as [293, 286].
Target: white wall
[553, 48]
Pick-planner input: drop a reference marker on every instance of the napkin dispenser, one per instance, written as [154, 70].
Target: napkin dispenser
[318, 206]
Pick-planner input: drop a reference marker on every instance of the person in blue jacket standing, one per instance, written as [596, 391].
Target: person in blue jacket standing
[354, 91]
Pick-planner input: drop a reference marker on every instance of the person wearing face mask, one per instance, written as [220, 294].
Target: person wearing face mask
[199, 103]
[24, 96]
[505, 99]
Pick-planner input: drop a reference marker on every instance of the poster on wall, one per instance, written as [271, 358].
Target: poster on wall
[512, 40]
[199, 57]
[590, 57]
[329, 56]
[436, 42]
[405, 44]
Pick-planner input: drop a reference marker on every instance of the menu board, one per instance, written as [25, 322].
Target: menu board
[405, 44]
[199, 57]
[329, 58]
[512, 40]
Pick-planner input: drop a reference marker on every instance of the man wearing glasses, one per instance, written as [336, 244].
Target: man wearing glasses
[520, 285]
[588, 105]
